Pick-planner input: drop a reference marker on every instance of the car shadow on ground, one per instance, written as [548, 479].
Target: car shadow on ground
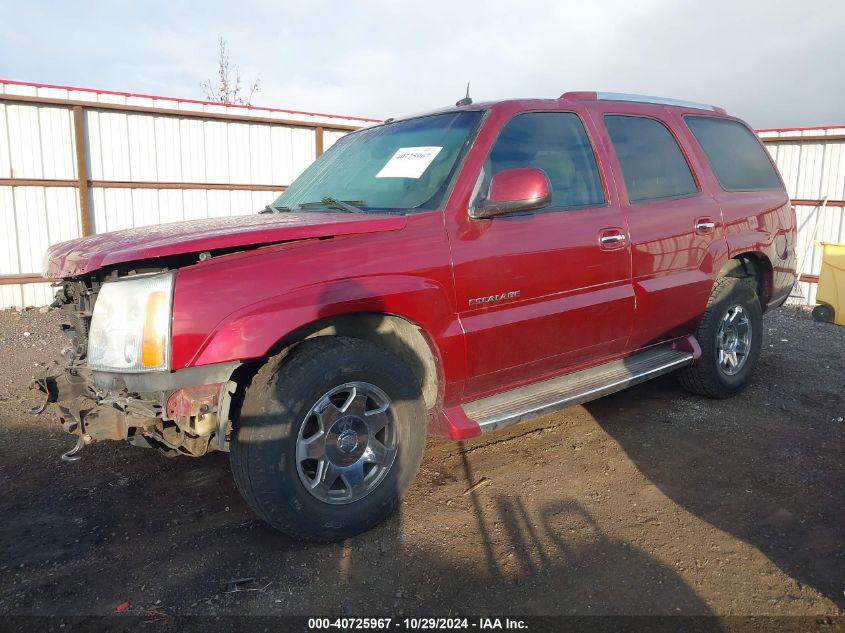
[770, 477]
[173, 536]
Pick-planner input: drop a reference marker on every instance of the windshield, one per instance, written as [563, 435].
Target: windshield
[393, 167]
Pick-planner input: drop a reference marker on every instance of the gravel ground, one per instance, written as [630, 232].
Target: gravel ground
[648, 501]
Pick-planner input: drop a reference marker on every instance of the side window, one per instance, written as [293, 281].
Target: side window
[652, 163]
[557, 143]
[738, 160]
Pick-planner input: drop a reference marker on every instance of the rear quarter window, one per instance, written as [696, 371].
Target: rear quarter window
[736, 156]
[653, 164]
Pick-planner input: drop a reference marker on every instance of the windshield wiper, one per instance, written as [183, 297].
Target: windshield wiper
[333, 203]
[269, 208]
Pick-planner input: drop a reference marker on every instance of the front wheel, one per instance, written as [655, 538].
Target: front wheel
[730, 336]
[329, 438]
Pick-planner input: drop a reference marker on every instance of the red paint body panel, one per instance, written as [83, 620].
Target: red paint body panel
[763, 222]
[672, 266]
[519, 184]
[269, 293]
[86, 254]
[576, 302]
[559, 298]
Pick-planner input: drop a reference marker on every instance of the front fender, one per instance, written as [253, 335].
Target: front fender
[252, 331]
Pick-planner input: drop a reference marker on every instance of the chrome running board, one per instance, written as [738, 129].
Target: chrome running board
[537, 399]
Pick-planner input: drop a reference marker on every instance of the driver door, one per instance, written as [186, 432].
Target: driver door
[541, 291]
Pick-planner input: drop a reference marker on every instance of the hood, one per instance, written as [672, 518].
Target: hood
[87, 254]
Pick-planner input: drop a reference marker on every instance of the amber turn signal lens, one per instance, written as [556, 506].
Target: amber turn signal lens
[154, 339]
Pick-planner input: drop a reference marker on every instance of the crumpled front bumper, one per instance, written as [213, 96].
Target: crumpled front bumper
[94, 414]
[170, 415]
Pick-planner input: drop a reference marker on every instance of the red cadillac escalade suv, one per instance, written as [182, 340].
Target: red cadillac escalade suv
[451, 273]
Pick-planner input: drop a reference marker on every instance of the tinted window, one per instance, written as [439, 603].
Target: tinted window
[735, 154]
[557, 143]
[652, 163]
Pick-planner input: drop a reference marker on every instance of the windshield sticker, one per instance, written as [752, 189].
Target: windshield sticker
[409, 162]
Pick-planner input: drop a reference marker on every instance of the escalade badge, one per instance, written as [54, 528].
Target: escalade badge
[478, 301]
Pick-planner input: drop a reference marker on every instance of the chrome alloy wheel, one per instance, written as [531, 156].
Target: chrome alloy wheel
[346, 443]
[733, 340]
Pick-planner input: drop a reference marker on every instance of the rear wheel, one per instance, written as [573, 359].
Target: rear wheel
[730, 336]
[329, 438]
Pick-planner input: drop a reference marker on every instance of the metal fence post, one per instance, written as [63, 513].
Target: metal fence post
[81, 170]
[318, 139]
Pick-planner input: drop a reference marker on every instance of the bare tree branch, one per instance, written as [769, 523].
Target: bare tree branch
[227, 89]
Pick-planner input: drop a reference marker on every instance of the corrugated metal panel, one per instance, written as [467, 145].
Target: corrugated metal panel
[261, 156]
[13, 295]
[216, 160]
[9, 260]
[237, 153]
[24, 141]
[105, 96]
[129, 147]
[293, 150]
[108, 145]
[32, 218]
[36, 142]
[143, 141]
[57, 143]
[827, 130]
[168, 143]
[193, 150]
[138, 147]
[816, 224]
[812, 170]
[5, 148]
[116, 208]
[330, 137]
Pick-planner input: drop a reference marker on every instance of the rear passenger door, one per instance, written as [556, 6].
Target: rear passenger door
[755, 206]
[541, 291]
[673, 222]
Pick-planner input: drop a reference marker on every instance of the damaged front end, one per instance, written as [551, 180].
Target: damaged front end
[178, 413]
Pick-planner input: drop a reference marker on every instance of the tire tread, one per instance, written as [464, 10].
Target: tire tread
[702, 377]
[250, 459]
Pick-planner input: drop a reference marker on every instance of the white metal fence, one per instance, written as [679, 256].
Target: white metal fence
[812, 163]
[75, 162]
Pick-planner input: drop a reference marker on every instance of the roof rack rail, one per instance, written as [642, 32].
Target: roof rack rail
[621, 96]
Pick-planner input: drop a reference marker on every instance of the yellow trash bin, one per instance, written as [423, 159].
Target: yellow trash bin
[831, 291]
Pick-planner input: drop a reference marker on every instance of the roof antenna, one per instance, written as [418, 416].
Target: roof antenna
[465, 101]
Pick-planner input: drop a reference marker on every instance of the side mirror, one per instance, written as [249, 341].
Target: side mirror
[513, 191]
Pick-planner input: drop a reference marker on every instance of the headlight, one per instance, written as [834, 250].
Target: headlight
[130, 327]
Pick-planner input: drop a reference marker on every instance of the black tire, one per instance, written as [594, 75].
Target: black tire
[823, 313]
[706, 376]
[281, 395]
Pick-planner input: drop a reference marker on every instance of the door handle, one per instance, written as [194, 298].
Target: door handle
[704, 226]
[612, 239]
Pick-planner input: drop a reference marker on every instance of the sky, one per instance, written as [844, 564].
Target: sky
[774, 63]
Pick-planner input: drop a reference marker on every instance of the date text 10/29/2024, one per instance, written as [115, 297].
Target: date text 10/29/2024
[416, 624]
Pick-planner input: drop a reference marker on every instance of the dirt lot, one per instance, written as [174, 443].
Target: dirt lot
[648, 501]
